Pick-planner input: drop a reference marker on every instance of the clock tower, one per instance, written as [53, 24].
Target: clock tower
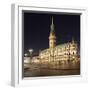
[52, 37]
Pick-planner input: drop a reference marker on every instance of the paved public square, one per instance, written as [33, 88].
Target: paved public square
[36, 70]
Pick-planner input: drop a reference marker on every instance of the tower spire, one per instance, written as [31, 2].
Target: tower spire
[52, 25]
[52, 37]
[52, 20]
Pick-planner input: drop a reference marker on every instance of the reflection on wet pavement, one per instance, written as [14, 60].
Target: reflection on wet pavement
[37, 70]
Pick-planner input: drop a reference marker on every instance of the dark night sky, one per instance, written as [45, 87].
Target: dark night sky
[37, 28]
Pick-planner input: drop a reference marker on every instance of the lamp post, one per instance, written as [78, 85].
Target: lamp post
[25, 54]
[25, 57]
[30, 51]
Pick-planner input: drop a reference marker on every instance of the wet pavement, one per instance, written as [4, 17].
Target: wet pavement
[36, 70]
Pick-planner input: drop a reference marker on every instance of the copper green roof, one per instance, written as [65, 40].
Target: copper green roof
[62, 45]
[58, 46]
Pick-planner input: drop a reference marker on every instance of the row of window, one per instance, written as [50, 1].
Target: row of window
[59, 50]
[60, 53]
[61, 56]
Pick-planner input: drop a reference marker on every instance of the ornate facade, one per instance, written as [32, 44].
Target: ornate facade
[62, 53]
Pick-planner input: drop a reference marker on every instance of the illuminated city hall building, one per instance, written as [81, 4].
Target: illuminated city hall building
[62, 53]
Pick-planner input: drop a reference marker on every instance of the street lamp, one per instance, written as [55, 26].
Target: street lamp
[25, 54]
[30, 51]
